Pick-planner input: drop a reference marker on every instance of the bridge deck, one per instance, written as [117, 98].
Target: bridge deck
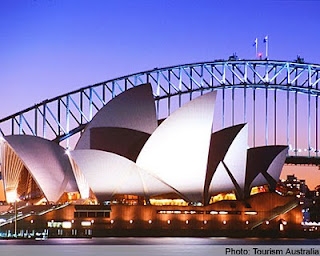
[303, 160]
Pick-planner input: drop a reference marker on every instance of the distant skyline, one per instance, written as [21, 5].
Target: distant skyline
[309, 173]
[52, 47]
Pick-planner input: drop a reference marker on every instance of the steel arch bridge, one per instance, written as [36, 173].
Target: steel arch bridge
[278, 99]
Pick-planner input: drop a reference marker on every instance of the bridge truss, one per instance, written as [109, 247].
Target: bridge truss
[278, 99]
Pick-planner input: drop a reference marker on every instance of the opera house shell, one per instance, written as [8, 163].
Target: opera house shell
[123, 150]
[126, 151]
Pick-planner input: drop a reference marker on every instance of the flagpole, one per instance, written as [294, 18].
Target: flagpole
[266, 40]
[256, 43]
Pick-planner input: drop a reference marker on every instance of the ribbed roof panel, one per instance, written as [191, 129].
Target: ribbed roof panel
[47, 163]
[134, 109]
[177, 151]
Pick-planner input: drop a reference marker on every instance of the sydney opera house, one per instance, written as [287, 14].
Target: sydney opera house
[132, 174]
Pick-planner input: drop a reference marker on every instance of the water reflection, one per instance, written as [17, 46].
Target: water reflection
[133, 246]
[164, 241]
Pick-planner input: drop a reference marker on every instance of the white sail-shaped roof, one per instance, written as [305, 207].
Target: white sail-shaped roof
[259, 180]
[177, 151]
[108, 174]
[134, 109]
[11, 169]
[234, 165]
[47, 163]
[82, 182]
[276, 165]
[264, 166]
[221, 181]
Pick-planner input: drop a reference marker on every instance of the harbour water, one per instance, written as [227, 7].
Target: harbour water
[161, 246]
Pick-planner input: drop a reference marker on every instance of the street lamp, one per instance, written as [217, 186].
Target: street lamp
[12, 199]
[15, 218]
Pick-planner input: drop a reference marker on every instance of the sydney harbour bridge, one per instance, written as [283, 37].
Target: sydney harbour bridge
[278, 99]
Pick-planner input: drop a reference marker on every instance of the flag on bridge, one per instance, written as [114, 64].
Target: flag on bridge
[255, 42]
[256, 45]
[265, 40]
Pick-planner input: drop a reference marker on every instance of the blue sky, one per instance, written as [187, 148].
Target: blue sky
[51, 47]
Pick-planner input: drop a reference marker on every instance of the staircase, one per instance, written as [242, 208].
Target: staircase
[275, 212]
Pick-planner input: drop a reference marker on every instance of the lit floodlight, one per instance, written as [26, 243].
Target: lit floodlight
[11, 195]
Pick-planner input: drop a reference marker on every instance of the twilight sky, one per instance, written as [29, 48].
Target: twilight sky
[51, 47]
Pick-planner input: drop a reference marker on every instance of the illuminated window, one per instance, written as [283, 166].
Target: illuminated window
[66, 224]
[59, 224]
[85, 223]
[251, 213]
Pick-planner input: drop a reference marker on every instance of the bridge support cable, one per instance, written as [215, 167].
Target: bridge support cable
[254, 117]
[67, 120]
[275, 116]
[36, 121]
[266, 116]
[91, 101]
[233, 122]
[317, 126]
[232, 99]
[296, 123]
[44, 121]
[245, 104]
[223, 96]
[309, 125]
[288, 117]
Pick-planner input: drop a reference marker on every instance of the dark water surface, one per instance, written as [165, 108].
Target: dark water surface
[162, 246]
[164, 241]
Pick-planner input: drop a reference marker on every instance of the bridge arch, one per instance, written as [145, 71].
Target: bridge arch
[278, 99]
